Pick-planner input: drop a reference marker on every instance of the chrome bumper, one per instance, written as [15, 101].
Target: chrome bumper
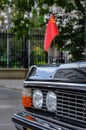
[25, 121]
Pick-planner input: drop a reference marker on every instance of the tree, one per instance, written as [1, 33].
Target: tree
[73, 31]
[70, 18]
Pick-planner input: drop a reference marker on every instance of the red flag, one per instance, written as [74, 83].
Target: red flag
[51, 32]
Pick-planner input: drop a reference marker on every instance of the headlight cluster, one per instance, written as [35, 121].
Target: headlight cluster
[51, 100]
[37, 99]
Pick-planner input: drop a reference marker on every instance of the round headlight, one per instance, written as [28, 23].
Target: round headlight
[37, 99]
[51, 101]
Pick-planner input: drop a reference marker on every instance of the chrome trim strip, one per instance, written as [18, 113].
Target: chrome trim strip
[54, 83]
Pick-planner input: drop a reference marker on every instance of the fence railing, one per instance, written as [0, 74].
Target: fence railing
[24, 52]
[12, 51]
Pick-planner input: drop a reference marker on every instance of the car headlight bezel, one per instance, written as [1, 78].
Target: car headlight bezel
[51, 101]
[37, 99]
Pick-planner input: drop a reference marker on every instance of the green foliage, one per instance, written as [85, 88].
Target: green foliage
[71, 27]
[70, 6]
[2, 4]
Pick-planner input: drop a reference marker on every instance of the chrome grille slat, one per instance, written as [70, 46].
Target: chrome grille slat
[71, 98]
[70, 104]
[74, 118]
[71, 115]
[68, 110]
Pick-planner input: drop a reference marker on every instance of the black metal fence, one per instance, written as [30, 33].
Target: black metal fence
[37, 53]
[13, 52]
[21, 53]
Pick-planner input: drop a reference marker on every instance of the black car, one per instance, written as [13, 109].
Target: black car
[54, 98]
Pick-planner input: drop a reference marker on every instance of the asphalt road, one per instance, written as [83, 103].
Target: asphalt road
[10, 103]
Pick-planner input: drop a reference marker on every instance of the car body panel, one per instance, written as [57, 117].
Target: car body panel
[68, 82]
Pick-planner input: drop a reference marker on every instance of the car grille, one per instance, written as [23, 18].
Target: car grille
[70, 104]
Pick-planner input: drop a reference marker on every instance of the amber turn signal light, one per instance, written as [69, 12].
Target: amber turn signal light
[26, 97]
